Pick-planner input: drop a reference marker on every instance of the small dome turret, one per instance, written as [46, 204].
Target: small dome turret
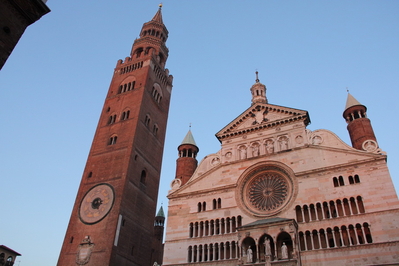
[258, 91]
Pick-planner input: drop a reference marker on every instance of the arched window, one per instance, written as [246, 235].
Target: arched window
[190, 254]
[112, 140]
[111, 119]
[330, 238]
[312, 211]
[199, 206]
[204, 206]
[191, 230]
[155, 130]
[341, 181]
[367, 232]
[335, 182]
[219, 203]
[319, 211]
[157, 92]
[360, 204]
[351, 181]
[298, 212]
[147, 120]
[239, 220]
[359, 234]
[214, 204]
[357, 179]
[9, 261]
[143, 177]
[306, 213]
[125, 115]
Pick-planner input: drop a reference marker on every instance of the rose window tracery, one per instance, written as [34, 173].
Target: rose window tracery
[267, 192]
[266, 189]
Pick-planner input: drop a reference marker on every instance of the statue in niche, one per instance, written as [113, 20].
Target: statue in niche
[255, 150]
[268, 250]
[269, 146]
[243, 152]
[249, 255]
[284, 251]
[283, 143]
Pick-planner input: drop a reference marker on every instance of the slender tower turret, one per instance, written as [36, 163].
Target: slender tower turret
[359, 126]
[187, 162]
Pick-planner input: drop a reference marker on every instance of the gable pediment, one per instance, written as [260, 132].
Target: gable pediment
[261, 116]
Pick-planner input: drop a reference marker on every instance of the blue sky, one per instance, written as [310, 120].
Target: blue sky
[53, 86]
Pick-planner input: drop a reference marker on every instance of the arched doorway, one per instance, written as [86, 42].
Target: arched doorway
[249, 248]
[284, 246]
[266, 242]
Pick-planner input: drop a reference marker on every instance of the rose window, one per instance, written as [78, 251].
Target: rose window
[266, 189]
[267, 192]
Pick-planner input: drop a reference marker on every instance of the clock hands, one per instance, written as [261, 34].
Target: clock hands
[96, 203]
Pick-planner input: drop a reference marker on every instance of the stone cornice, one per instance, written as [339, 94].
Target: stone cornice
[198, 193]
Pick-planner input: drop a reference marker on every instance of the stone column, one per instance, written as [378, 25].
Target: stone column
[329, 209]
[224, 250]
[342, 239]
[349, 236]
[357, 206]
[322, 211]
[311, 240]
[364, 235]
[318, 236]
[333, 234]
[214, 252]
[303, 215]
[350, 207]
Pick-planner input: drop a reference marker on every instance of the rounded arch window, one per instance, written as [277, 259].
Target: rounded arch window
[266, 189]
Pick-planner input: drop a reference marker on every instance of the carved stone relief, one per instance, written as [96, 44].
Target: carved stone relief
[317, 140]
[269, 145]
[215, 161]
[370, 145]
[176, 183]
[283, 143]
[255, 149]
[299, 139]
[242, 151]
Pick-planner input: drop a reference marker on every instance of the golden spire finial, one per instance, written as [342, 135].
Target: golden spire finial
[160, 5]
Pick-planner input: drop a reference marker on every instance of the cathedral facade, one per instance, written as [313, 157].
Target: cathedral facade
[277, 193]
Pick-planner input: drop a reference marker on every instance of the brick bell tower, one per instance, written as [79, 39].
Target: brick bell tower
[359, 126]
[112, 221]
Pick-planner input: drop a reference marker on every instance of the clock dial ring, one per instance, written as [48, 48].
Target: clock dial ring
[96, 203]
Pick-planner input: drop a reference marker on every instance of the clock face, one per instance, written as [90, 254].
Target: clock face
[96, 204]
